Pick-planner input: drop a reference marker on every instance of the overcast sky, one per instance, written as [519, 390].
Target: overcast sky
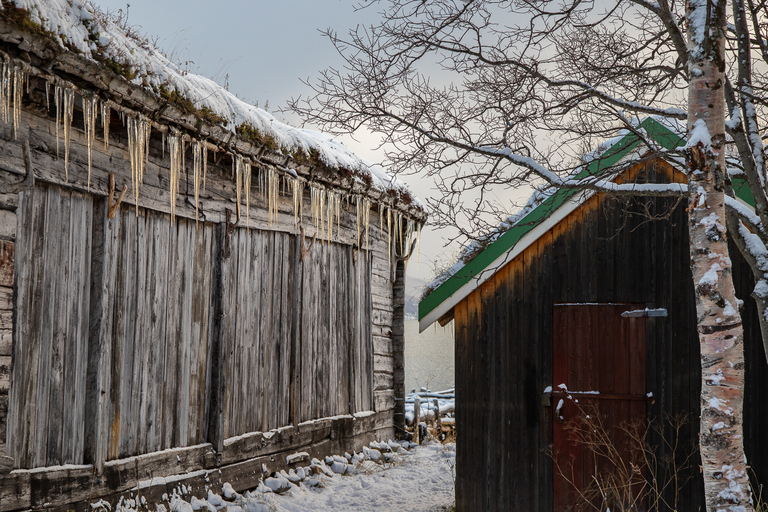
[262, 50]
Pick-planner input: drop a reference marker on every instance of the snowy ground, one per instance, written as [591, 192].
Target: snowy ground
[419, 480]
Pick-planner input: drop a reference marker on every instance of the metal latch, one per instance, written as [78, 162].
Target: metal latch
[636, 313]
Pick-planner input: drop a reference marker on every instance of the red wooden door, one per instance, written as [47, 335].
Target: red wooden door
[599, 387]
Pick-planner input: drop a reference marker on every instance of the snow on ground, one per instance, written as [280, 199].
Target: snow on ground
[417, 480]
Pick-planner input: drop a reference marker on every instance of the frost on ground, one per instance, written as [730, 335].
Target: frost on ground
[417, 480]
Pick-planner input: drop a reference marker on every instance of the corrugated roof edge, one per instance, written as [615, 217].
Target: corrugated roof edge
[457, 283]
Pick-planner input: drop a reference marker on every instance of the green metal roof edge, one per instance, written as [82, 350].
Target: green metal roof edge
[655, 130]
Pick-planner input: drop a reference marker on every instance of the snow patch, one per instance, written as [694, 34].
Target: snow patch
[700, 135]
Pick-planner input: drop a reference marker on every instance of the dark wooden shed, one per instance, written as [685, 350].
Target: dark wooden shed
[567, 299]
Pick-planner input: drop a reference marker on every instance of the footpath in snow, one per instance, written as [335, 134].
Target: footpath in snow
[417, 480]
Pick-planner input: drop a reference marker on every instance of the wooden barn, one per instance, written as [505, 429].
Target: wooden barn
[191, 292]
[577, 325]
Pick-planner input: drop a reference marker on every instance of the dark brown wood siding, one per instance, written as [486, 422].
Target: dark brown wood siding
[606, 251]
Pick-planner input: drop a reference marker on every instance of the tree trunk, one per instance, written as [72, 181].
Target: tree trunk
[726, 483]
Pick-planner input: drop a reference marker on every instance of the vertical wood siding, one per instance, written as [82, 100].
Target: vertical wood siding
[7, 260]
[51, 333]
[134, 332]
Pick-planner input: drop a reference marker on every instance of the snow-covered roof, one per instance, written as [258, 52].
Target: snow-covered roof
[79, 27]
[547, 206]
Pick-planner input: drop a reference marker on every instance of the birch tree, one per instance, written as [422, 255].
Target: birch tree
[487, 95]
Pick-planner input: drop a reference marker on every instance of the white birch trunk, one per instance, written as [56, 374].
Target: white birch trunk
[723, 461]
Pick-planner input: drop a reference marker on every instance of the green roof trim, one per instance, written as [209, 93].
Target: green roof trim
[655, 130]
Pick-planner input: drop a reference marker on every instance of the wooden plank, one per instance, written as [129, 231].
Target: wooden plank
[98, 344]
[268, 331]
[383, 400]
[7, 258]
[142, 346]
[59, 486]
[254, 346]
[7, 224]
[5, 374]
[15, 490]
[6, 301]
[229, 284]
[122, 474]
[77, 321]
[383, 380]
[296, 300]
[6, 319]
[286, 324]
[201, 310]
[183, 410]
[157, 379]
[6, 342]
[134, 259]
[242, 340]
[50, 366]
[21, 422]
[173, 340]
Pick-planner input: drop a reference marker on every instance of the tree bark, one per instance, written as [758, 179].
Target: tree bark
[721, 334]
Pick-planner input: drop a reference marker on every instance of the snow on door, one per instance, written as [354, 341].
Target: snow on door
[599, 372]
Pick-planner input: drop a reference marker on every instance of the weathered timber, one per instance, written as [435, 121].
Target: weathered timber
[77, 487]
[164, 333]
[7, 224]
[7, 258]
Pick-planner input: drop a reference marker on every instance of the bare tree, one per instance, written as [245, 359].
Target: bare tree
[487, 95]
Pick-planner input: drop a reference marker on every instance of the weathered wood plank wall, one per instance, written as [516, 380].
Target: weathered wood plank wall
[151, 330]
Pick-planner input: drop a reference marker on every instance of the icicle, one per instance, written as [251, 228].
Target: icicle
[367, 219]
[389, 235]
[298, 193]
[357, 217]
[69, 110]
[175, 150]
[196, 165]
[237, 163]
[338, 214]
[58, 93]
[314, 201]
[273, 194]
[5, 90]
[418, 244]
[247, 185]
[162, 144]
[18, 91]
[90, 107]
[205, 163]
[381, 218]
[47, 94]
[106, 115]
[322, 213]
[138, 134]
[329, 213]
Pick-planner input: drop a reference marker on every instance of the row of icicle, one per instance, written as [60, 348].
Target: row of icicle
[325, 205]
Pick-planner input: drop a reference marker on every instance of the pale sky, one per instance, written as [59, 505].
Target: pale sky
[262, 50]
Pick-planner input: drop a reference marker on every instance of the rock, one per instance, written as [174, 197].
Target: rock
[278, 484]
[371, 454]
[339, 467]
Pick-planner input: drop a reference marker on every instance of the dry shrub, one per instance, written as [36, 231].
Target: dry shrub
[628, 475]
